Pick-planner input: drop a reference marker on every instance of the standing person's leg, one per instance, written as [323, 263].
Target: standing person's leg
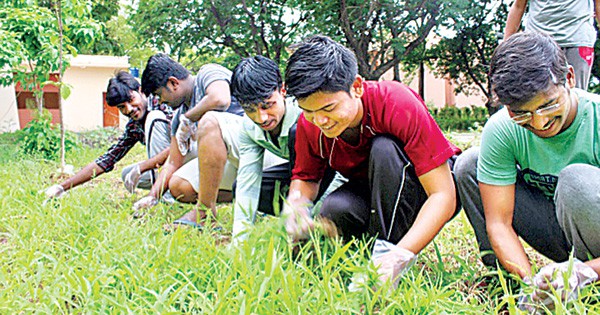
[577, 201]
[581, 59]
[396, 193]
[157, 137]
[534, 218]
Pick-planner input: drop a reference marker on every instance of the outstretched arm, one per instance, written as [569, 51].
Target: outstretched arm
[85, 174]
[155, 161]
[298, 221]
[515, 15]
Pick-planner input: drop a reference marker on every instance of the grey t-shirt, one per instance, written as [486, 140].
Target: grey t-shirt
[569, 22]
[208, 74]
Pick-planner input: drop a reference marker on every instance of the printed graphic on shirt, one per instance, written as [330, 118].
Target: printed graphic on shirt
[544, 182]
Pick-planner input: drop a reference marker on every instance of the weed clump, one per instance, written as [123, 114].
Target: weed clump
[42, 139]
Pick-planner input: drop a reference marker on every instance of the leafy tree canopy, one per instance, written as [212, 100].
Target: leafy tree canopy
[472, 31]
[381, 33]
[32, 38]
[241, 27]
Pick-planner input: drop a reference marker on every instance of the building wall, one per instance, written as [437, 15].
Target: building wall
[438, 91]
[83, 109]
[9, 117]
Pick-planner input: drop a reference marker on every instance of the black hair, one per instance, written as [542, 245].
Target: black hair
[320, 65]
[524, 65]
[120, 87]
[255, 79]
[158, 70]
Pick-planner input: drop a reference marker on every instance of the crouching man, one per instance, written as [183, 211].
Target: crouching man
[203, 155]
[536, 175]
[381, 137]
[149, 124]
[268, 127]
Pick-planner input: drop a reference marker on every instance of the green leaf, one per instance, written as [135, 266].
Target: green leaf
[65, 91]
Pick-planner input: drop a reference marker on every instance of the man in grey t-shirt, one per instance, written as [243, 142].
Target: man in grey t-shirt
[206, 113]
[569, 22]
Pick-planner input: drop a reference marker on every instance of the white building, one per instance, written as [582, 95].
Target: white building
[84, 109]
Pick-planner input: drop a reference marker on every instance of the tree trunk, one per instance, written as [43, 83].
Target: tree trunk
[39, 100]
[397, 73]
[422, 79]
[60, 84]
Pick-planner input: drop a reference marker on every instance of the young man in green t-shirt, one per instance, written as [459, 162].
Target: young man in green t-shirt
[536, 175]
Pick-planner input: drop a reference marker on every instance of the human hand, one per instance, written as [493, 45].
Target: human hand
[553, 278]
[392, 261]
[145, 203]
[550, 279]
[186, 132]
[296, 213]
[54, 191]
[132, 178]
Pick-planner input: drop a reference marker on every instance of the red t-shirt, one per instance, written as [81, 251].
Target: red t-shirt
[390, 108]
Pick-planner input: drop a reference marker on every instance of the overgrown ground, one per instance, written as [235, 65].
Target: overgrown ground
[85, 255]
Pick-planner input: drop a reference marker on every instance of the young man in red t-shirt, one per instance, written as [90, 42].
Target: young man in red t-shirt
[381, 137]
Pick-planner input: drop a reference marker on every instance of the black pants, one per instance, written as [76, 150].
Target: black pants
[386, 205]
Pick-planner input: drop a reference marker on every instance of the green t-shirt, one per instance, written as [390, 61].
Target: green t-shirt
[506, 146]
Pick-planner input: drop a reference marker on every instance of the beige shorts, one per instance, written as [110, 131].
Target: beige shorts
[189, 172]
[230, 126]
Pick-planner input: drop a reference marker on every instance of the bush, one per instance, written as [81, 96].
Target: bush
[41, 138]
[454, 118]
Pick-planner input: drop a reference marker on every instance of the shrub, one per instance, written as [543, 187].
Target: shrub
[454, 118]
[41, 138]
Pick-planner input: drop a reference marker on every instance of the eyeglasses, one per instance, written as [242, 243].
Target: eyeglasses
[526, 117]
[522, 118]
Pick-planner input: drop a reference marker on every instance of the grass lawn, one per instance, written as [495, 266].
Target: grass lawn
[84, 254]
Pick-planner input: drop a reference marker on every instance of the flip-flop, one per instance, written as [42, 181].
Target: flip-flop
[194, 225]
